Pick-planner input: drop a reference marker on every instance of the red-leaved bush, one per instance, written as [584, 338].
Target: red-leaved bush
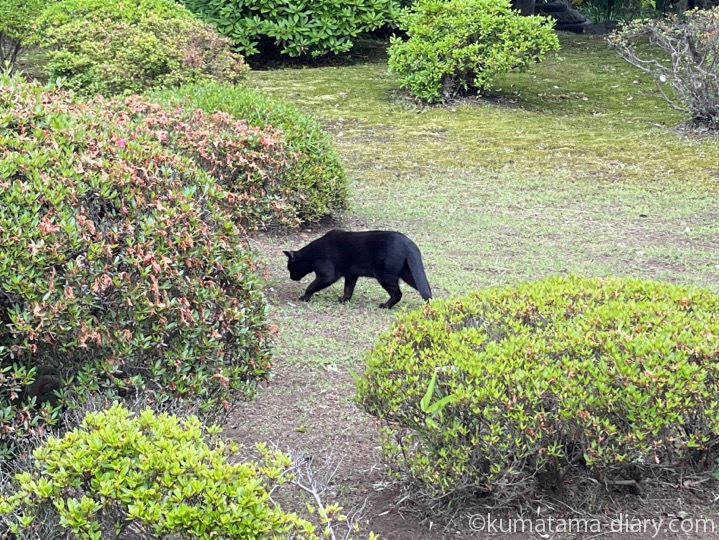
[315, 182]
[121, 265]
[249, 162]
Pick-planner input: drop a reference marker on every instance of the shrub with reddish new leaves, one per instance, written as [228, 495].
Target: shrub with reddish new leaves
[563, 386]
[249, 162]
[120, 264]
[315, 182]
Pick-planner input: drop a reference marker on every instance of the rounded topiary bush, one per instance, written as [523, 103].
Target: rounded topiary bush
[314, 184]
[252, 164]
[457, 46]
[119, 475]
[110, 47]
[508, 391]
[120, 265]
[16, 28]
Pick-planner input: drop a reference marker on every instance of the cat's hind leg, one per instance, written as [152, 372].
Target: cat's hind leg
[391, 285]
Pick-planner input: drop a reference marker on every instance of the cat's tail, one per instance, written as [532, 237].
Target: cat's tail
[414, 261]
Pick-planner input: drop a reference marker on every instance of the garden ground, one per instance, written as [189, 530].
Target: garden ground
[576, 166]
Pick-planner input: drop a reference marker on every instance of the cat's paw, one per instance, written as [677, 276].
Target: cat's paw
[343, 299]
[385, 305]
[304, 298]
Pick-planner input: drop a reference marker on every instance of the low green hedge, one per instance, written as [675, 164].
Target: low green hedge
[508, 390]
[315, 183]
[295, 27]
[120, 475]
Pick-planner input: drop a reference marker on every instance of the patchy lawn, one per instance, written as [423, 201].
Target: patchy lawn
[575, 166]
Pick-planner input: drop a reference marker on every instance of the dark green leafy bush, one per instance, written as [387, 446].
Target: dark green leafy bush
[509, 391]
[110, 47]
[119, 474]
[612, 11]
[683, 55]
[296, 27]
[21, 416]
[315, 182]
[458, 46]
[120, 264]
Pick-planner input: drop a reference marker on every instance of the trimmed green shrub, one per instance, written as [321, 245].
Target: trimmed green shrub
[109, 47]
[297, 27]
[120, 473]
[458, 46]
[683, 55]
[315, 183]
[120, 264]
[508, 391]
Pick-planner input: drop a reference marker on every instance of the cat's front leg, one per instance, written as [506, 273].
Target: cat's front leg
[350, 282]
[320, 282]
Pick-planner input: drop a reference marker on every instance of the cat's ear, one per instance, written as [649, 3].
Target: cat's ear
[290, 254]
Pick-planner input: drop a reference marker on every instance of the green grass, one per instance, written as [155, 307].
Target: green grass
[30, 62]
[585, 112]
[557, 172]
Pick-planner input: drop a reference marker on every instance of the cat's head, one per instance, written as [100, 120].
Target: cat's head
[297, 266]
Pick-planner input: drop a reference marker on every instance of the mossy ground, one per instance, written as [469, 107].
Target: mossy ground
[576, 166]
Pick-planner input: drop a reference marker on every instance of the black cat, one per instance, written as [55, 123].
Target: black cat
[383, 255]
[47, 381]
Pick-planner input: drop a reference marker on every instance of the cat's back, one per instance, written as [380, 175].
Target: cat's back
[365, 236]
[375, 241]
[357, 244]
